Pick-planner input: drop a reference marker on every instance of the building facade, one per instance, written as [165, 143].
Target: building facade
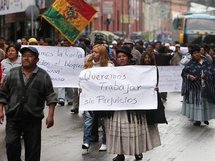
[20, 18]
[118, 15]
[151, 17]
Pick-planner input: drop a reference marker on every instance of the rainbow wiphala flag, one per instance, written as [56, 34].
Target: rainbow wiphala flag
[69, 17]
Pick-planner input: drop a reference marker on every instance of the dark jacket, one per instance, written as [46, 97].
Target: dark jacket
[28, 98]
[162, 59]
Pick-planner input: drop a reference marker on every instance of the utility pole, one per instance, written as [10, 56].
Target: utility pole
[129, 25]
[122, 16]
[188, 6]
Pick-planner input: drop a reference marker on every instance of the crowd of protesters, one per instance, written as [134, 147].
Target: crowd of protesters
[198, 88]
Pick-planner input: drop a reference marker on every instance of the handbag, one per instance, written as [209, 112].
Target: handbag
[158, 115]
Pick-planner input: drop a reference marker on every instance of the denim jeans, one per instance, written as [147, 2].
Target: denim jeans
[76, 97]
[88, 124]
[89, 117]
[65, 94]
[103, 135]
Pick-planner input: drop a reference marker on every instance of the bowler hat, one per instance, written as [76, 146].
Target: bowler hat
[126, 50]
[33, 50]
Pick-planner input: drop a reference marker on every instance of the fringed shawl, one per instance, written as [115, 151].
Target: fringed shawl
[192, 90]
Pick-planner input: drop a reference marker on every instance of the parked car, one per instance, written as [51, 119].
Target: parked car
[136, 36]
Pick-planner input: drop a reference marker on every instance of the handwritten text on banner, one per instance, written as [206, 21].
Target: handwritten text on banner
[63, 64]
[118, 88]
[170, 78]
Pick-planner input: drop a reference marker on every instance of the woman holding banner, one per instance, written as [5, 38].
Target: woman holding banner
[128, 132]
[198, 88]
[98, 58]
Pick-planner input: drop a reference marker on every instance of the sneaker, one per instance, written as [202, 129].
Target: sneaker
[74, 110]
[103, 147]
[61, 103]
[85, 148]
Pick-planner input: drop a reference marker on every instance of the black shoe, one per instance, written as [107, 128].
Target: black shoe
[119, 158]
[139, 156]
[61, 103]
[206, 122]
[74, 110]
[197, 123]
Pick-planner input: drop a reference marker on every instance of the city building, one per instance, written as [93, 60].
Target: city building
[151, 18]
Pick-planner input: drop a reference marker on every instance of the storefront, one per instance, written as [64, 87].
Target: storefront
[16, 22]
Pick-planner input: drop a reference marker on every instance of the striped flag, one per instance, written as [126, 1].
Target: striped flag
[69, 17]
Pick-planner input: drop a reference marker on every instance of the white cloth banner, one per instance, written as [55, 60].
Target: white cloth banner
[63, 64]
[184, 50]
[118, 88]
[170, 78]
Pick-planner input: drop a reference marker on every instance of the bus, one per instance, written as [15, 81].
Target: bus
[194, 29]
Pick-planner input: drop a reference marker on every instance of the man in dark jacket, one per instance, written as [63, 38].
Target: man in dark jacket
[23, 95]
[162, 58]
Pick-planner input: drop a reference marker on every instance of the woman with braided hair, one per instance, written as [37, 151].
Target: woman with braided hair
[198, 88]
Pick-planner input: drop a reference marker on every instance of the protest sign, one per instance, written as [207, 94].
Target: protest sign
[183, 50]
[63, 64]
[170, 78]
[118, 88]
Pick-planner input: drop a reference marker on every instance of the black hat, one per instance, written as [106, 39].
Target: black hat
[30, 48]
[126, 50]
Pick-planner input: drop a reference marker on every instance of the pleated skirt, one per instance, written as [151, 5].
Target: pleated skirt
[201, 111]
[130, 138]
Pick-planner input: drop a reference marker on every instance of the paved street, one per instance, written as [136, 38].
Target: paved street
[181, 141]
